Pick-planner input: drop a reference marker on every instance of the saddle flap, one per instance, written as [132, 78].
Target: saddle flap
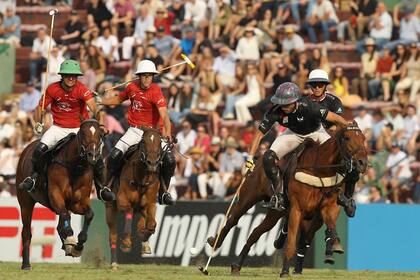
[60, 144]
[131, 150]
[285, 163]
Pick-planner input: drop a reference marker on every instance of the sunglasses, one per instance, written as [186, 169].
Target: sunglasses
[316, 85]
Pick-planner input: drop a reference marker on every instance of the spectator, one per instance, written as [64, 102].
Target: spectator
[139, 55]
[90, 34]
[375, 195]
[411, 125]
[39, 54]
[203, 108]
[195, 13]
[176, 104]
[108, 46]
[320, 59]
[340, 83]
[73, 29]
[11, 27]
[298, 6]
[154, 55]
[186, 138]
[98, 13]
[267, 25]
[383, 76]
[8, 160]
[301, 68]
[323, 16]
[364, 10]
[410, 74]
[211, 178]
[224, 67]
[292, 41]
[178, 9]
[248, 46]
[96, 62]
[409, 30]
[203, 139]
[368, 70]
[247, 21]
[364, 119]
[123, 18]
[188, 40]
[29, 99]
[164, 18]
[224, 12]
[393, 116]
[165, 44]
[56, 58]
[230, 160]
[196, 165]
[380, 28]
[233, 184]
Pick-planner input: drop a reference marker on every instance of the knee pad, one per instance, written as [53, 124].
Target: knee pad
[269, 163]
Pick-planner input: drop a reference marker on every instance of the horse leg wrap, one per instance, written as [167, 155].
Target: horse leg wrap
[330, 237]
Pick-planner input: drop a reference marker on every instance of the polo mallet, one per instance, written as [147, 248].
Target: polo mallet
[52, 13]
[213, 249]
[184, 57]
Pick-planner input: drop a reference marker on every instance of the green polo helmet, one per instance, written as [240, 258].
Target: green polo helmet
[70, 67]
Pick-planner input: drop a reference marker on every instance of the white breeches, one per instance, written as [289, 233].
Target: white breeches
[55, 134]
[288, 141]
[131, 137]
[241, 106]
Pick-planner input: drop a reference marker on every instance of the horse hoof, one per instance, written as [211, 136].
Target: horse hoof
[329, 260]
[211, 241]
[284, 274]
[114, 266]
[77, 253]
[26, 267]
[279, 243]
[338, 249]
[297, 272]
[69, 250]
[235, 269]
[145, 248]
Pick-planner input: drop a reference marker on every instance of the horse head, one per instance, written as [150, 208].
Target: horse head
[150, 149]
[352, 148]
[89, 137]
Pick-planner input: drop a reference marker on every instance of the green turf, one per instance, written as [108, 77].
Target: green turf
[103, 272]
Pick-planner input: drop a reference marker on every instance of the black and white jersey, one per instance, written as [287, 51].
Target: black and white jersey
[307, 117]
[333, 104]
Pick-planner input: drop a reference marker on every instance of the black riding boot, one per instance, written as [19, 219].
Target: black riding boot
[103, 192]
[37, 165]
[278, 200]
[167, 171]
[346, 199]
[113, 163]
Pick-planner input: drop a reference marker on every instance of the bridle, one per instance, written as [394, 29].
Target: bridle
[348, 160]
[82, 150]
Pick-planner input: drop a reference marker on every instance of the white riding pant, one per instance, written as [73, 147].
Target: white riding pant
[132, 136]
[55, 134]
[288, 140]
[215, 181]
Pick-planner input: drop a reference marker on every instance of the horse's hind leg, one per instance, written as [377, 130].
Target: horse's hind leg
[330, 214]
[128, 222]
[267, 224]
[295, 218]
[26, 209]
[82, 237]
[111, 220]
[146, 227]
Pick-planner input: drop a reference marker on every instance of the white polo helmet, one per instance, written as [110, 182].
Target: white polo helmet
[318, 76]
[146, 66]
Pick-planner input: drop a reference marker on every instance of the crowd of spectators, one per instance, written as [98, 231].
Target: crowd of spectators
[243, 50]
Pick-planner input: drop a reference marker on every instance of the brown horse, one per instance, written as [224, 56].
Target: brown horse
[137, 190]
[65, 188]
[309, 225]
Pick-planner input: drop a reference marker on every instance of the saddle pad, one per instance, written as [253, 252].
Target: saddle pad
[319, 182]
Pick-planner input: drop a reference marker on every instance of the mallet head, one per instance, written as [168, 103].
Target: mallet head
[188, 61]
[53, 12]
[204, 271]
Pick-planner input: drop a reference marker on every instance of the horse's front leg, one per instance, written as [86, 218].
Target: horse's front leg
[88, 214]
[111, 220]
[295, 218]
[124, 206]
[330, 215]
[26, 209]
[146, 226]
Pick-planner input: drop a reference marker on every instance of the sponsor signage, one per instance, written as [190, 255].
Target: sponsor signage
[46, 244]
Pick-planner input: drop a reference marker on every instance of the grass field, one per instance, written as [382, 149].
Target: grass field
[11, 271]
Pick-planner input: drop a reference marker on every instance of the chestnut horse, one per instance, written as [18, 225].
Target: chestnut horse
[310, 223]
[136, 189]
[65, 187]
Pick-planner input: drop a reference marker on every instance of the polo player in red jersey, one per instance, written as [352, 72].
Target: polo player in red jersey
[68, 99]
[148, 107]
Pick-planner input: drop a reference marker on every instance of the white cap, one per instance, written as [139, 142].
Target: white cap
[318, 75]
[146, 66]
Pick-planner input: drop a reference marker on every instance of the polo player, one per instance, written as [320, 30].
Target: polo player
[68, 99]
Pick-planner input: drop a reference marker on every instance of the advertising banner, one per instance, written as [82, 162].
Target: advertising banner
[46, 244]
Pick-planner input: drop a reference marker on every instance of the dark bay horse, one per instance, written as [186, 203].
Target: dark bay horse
[259, 182]
[137, 190]
[65, 187]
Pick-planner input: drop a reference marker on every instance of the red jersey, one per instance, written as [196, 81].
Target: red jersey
[67, 106]
[145, 104]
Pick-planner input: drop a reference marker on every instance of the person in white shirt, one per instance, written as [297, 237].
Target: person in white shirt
[292, 41]
[398, 165]
[144, 21]
[224, 67]
[409, 31]
[364, 120]
[248, 46]
[56, 58]
[108, 44]
[186, 139]
[380, 28]
[323, 16]
[411, 125]
[39, 54]
[195, 13]
[29, 99]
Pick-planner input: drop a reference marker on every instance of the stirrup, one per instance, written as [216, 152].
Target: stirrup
[276, 202]
[166, 199]
[111, 193]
